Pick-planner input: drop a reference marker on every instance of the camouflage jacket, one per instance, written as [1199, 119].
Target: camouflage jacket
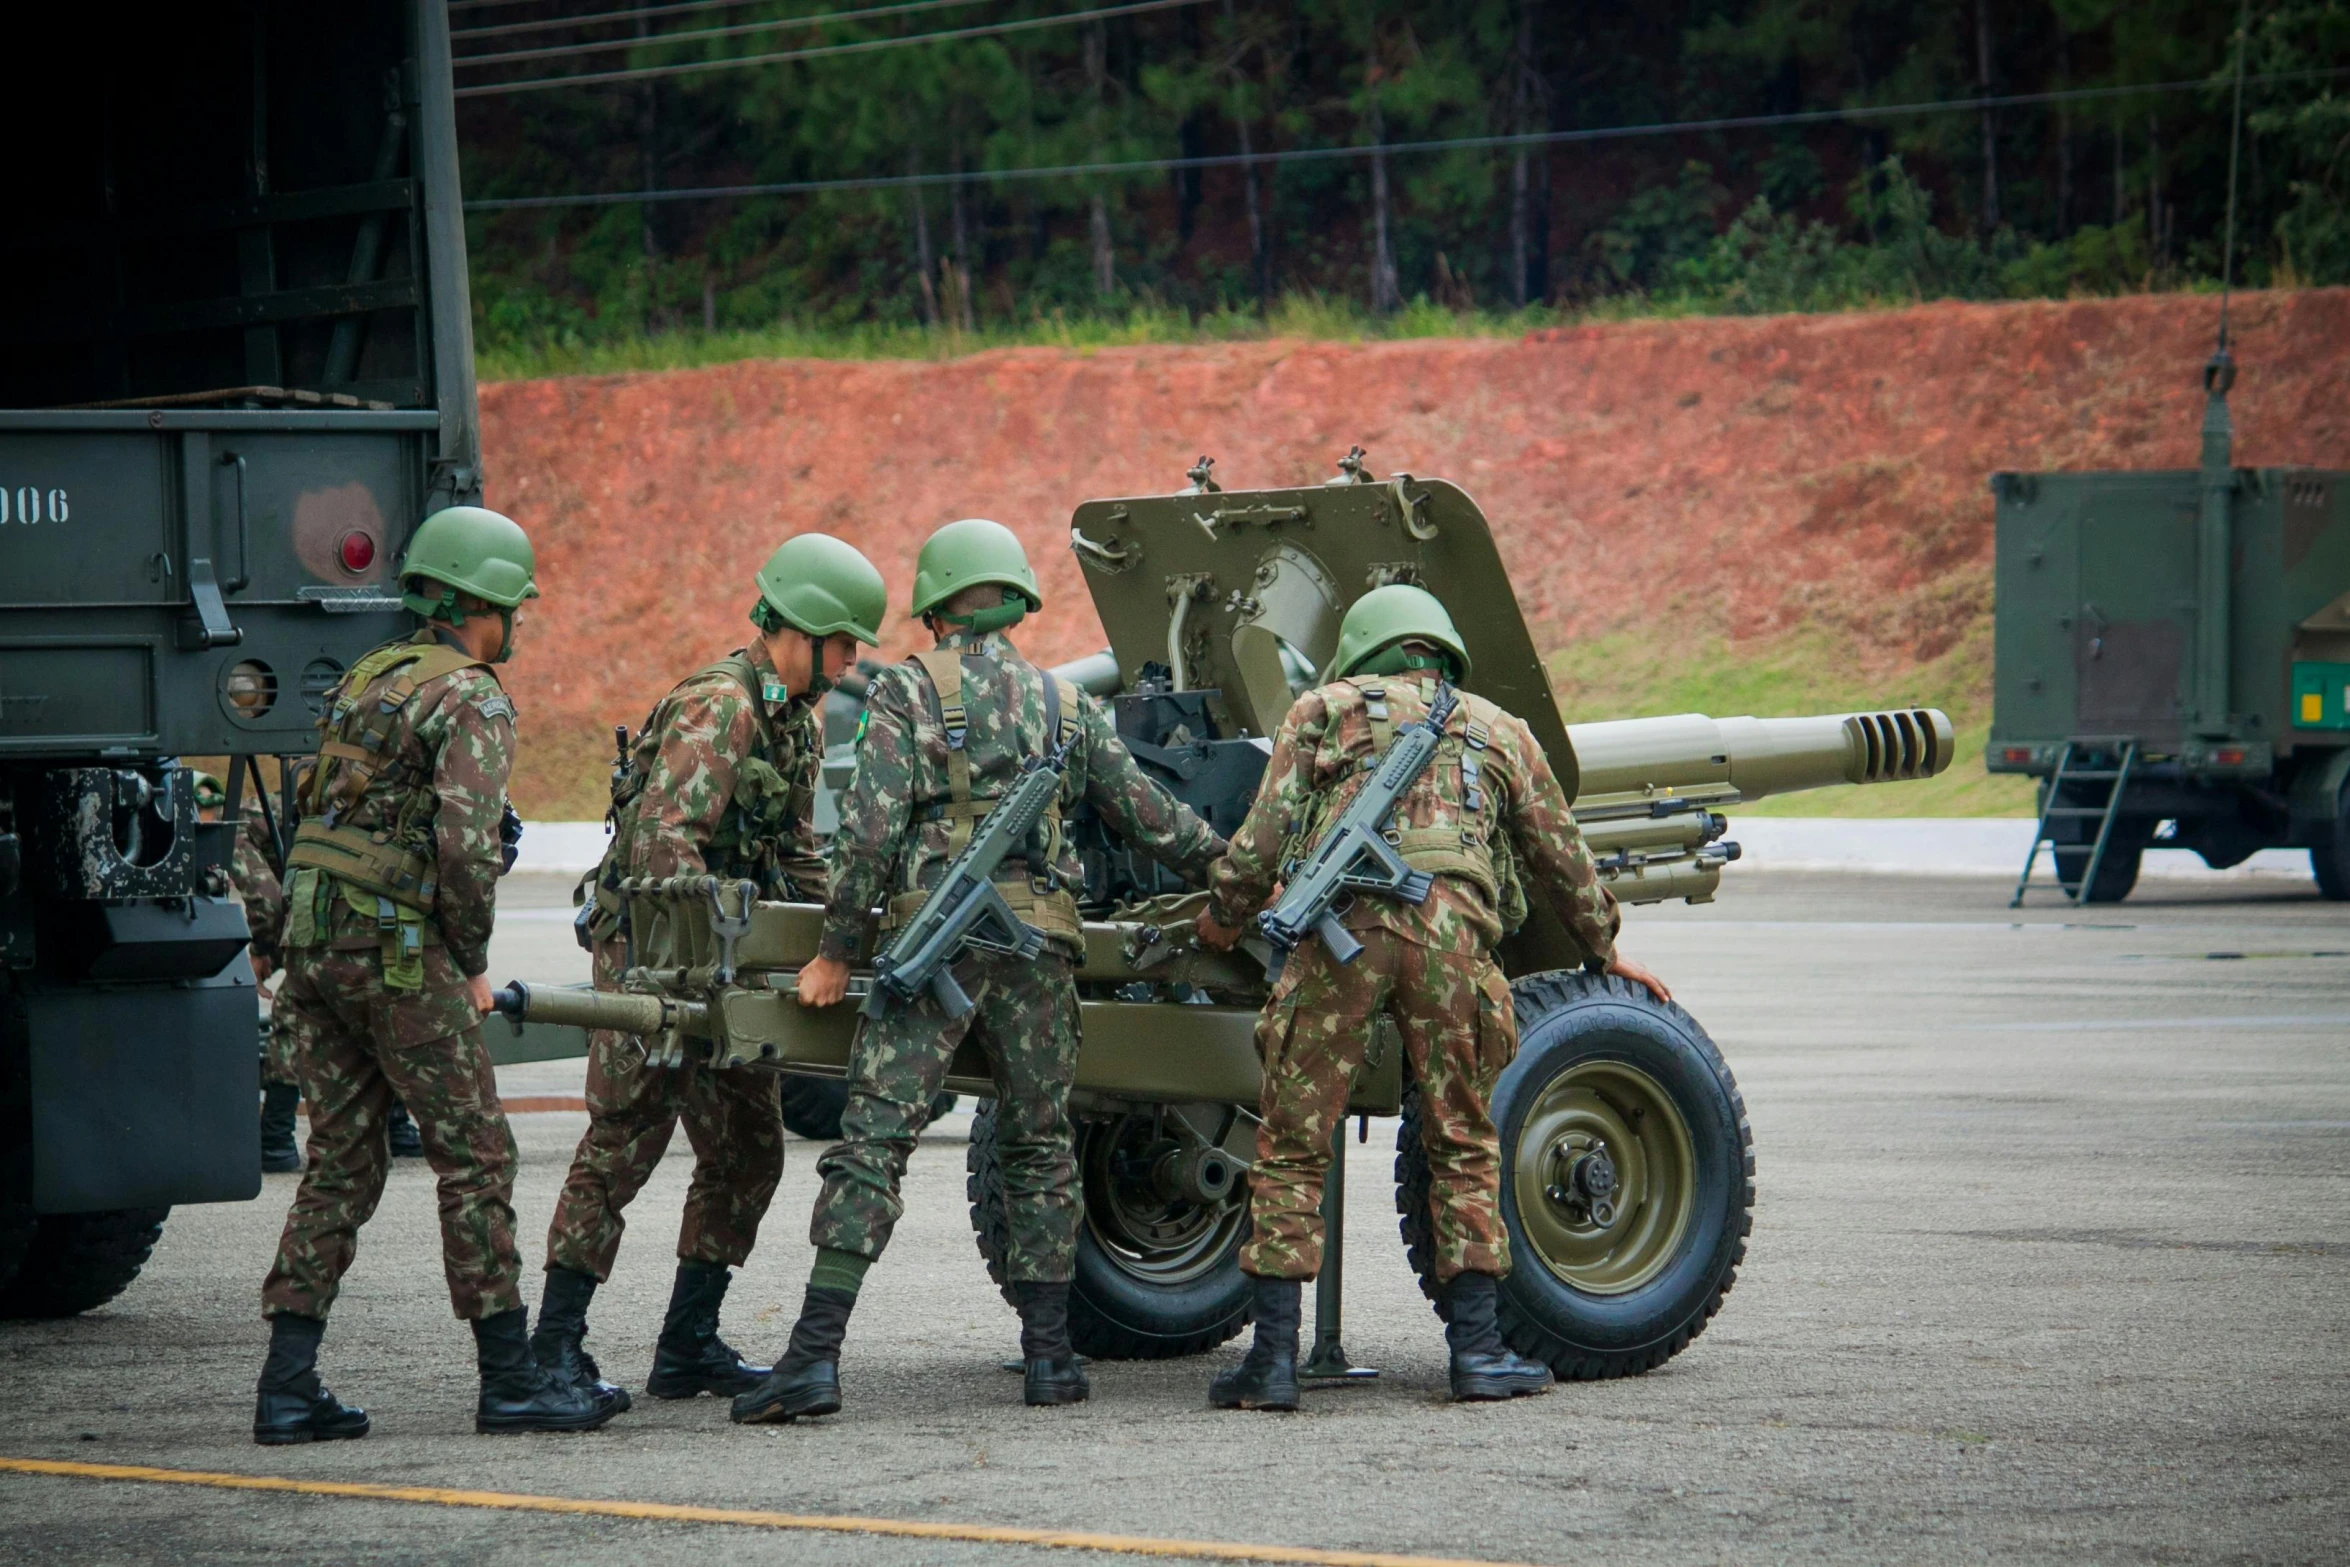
[1508, 799]
[885, 845]
[723, 785]
[458, 731]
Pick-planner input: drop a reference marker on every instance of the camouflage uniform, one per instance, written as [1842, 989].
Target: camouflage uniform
[897, 835]
[724, 784]
[375, 999]
[1428, 966]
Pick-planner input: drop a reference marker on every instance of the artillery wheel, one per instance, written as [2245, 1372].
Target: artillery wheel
[1605, 1070]
[812, 1106]
[75, 1262]
[1154, 1279]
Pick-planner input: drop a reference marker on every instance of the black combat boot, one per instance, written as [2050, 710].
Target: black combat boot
[407, 1142]
[1484, 1368]
[562, 1325]
[516, 1395]
[279, 1153]
[1053, 1375]
[291, 1405]
[806, 1381]
[1266, 1377]
[691, 1358]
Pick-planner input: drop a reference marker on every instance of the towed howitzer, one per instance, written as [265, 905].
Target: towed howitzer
[1626, 1164]
[966, 909]
[1353, 856]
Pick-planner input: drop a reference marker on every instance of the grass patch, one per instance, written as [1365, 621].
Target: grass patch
[1312, 316]
[1639, 674]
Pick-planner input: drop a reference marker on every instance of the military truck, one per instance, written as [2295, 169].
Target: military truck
[235, 369]
[1628, 1160]
[2173, 661]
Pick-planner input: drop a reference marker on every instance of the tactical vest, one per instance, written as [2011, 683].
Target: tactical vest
[361, 750]
[1465, 850]
[1038, 899]
[758, 814]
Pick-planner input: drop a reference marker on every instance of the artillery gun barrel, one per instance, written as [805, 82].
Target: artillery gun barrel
[1096, 674]
[1635, 762]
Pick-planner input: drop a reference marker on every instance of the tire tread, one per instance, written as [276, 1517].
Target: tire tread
[1536, 995]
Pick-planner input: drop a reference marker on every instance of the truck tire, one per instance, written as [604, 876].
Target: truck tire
[1153, 1280]
[812, 1107]
[1602, 1063]
[78, 1261]
[2117, 873]
[2329, 859]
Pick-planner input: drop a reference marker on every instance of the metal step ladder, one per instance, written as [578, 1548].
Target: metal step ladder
[2074, 767]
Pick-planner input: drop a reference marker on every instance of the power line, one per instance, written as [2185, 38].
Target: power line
[1324, 154]
[863, 46]
[735, 30]
[591, 18]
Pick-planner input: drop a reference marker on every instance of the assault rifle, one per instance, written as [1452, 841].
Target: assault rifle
[1353, 856]
[965, 909]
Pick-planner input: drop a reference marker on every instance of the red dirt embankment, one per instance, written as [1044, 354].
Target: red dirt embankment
[1738, 476]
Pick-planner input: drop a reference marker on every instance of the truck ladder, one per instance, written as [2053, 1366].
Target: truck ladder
[2071, 767]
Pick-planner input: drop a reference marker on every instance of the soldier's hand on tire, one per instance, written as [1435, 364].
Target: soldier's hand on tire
[477, 990]
[1624, 968]
[1216, 937]
[823, 982]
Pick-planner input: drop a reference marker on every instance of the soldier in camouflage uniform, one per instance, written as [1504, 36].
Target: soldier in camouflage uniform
[1485, 813]
[391, 884]
[722, 781]
[946, 734]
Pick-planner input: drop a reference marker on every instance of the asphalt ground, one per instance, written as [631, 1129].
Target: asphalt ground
[2051, 1261]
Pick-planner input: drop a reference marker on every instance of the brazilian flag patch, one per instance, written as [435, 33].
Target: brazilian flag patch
[775, 691]
[862, 720]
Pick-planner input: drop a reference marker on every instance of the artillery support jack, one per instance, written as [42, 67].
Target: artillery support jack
[1326, 1365]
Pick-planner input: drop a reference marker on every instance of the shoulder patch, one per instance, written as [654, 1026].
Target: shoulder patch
[498, 706]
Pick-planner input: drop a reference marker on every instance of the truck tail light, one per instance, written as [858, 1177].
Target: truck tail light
[358, 552]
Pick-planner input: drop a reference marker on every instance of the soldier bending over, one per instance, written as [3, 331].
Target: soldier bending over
[1486, 806]
[721, 781]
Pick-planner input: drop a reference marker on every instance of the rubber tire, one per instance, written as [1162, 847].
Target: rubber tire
[2117, 873]
[812, 1107]
[1112, 1315]
[1565, 1018]
[79, 1261]
[2330, 862]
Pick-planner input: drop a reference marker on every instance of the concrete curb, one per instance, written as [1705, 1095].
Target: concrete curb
[1911, 846]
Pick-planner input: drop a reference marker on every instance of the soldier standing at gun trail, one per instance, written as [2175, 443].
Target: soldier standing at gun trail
[947, 735]
[1485, 810]
[389, 899]
[722, 781]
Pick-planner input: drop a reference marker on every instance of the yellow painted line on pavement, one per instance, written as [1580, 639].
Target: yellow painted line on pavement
[671, 1512]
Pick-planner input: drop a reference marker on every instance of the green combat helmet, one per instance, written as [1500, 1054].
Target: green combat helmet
[968, 554]
[469, 550]
[1375, 625]
[822, 586]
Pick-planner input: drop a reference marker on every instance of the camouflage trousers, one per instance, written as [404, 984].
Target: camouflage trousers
[734, 1120]
[1453, 1011]
[1024, 1019]
[361, 1046]
[278, 1062]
